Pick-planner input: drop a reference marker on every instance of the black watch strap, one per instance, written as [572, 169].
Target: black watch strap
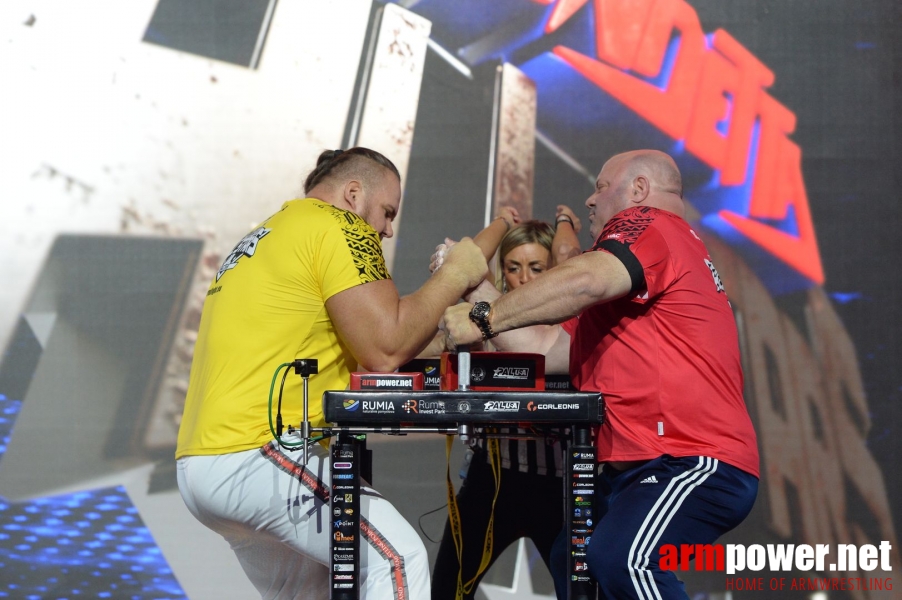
[480, 315]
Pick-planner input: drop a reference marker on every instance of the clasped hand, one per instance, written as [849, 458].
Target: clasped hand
[459, 329]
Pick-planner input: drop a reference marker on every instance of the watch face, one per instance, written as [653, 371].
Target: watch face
[480, 310]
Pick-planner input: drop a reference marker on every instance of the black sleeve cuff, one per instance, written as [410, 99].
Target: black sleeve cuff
[629, 260]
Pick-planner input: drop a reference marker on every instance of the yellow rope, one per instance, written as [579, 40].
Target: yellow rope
[465, 588]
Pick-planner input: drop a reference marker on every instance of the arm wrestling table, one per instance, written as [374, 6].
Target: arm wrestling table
[461, 412]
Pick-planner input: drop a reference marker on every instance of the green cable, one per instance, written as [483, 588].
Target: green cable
[272, 428]
[272, 386]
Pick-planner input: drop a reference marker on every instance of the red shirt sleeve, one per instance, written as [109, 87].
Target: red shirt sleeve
[632, 237]
[654, 255]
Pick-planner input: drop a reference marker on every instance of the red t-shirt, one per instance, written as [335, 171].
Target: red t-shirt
[666, 356]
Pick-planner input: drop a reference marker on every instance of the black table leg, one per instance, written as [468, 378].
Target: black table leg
[580, 490]
[345, 506]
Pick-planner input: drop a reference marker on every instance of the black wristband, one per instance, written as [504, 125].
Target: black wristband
[563, 219]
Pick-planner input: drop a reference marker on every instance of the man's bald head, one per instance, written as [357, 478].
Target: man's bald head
[637, 178]
[660, 169]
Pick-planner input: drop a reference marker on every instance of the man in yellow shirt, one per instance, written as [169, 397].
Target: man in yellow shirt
[309, 282]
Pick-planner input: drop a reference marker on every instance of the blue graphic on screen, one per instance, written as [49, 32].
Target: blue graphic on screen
[87, 544]
[9, 410]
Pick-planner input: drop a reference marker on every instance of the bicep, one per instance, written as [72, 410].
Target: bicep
[360, 314]
[594, 278]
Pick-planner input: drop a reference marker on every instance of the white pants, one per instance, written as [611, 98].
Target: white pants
[275, 515]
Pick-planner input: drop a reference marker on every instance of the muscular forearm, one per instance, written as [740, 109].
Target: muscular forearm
[420, 312]
[562, 292]
[398, 337]
[384, 331]
[489, 238]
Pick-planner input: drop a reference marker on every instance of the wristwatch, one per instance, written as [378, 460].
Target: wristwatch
[479, 314]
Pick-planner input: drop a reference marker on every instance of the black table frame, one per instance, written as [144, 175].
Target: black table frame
[348, 456]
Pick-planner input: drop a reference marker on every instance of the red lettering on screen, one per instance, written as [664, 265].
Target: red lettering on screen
[709, 85]
[752, 77]
[799, 252]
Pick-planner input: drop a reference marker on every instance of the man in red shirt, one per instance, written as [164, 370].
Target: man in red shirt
[646, 321]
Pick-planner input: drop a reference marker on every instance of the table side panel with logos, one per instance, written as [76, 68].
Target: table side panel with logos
[468, 414]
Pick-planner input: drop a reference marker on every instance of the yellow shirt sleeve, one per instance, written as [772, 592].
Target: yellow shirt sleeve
[350, 255]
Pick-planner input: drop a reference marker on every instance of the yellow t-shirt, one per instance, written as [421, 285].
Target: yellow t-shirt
[267, 306]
